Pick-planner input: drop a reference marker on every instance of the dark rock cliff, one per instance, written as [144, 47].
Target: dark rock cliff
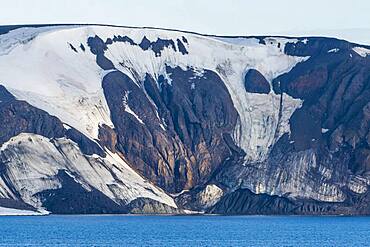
[180, 140]
[255, 82]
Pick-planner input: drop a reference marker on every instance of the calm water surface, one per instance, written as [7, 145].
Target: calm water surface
[183, 231]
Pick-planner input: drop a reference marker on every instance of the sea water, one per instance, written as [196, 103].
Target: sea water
[57, 230]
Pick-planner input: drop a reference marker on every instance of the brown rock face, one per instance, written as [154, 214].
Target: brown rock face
[107, 137]
[335, 116]
[174, 134]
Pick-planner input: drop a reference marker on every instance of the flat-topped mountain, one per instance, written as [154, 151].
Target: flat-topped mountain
[105, 119]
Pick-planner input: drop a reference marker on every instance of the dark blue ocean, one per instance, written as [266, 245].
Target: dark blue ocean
[183, 231]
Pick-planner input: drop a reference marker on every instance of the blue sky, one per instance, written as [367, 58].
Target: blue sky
[226, 17]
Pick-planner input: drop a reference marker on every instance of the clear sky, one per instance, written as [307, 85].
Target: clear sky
[223, 17]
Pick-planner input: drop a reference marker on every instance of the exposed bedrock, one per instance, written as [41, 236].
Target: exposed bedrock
[98, 46]
[315, 46]
[255, 82]
[335, 114]
[73, 198]
[16, 204]
[176, 133]
[243, 201]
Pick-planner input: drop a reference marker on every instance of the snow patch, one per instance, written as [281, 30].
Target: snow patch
[363, 52]
[128, 109]
[333, 50]
[66, 126]
[180, 193]
[305, 41]
[323, 130]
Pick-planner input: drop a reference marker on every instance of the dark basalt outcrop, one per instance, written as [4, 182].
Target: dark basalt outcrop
[72, 198]
[16, 204]
[72, 47]
[243, 201]
[86, 145]
[158, 45]
[98, 46]
[315, 45]
[82, 47]
[181, 47]
[255, 82]
[196, 114]
[107, 137]
[336, 90]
